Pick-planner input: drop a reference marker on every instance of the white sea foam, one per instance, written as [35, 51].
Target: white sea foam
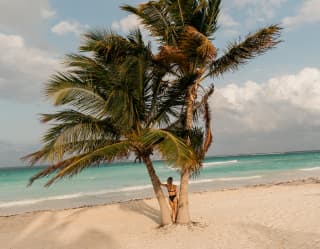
[133, 188]
[102, 192]
[226, 179]
[167, 168]
[34, 201]
[310, 169]
[71, 196]
[205, 165]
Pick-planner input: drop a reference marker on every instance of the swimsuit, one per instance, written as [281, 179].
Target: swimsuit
[172, 190]
[172, 197]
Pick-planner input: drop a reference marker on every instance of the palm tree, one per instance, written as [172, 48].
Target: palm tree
[185, 30]
[112, 94]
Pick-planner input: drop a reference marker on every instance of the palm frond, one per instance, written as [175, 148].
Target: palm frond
[65, 88]
[55, 151]
[38, 156]
[108, 47]
[75, 132]
[196, 45]
[77, 164]
[173, 98]
[172, 55]
[172, 148]
[208, 133]
[68, 119]
[196, 136]
[209, 24]
[239, 53]
[53, 168]
[154, 17]
[84, 63]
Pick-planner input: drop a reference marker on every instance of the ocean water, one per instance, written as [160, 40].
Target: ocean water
[125, 181]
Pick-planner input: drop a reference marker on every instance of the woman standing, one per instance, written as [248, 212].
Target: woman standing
[173, 198]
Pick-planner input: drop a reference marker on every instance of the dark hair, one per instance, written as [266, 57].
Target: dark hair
[170, 179]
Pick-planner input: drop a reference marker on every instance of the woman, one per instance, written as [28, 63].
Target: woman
[173, 198]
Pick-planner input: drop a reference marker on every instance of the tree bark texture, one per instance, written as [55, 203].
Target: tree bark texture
[164, 208]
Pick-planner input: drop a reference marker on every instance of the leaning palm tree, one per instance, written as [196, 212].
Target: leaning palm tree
[112, 92]
[185, 30]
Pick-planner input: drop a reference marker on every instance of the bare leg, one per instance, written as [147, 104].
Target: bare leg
[175, 209]
[172, 210]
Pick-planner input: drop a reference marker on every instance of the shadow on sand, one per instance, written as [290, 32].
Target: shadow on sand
[143, 208]
[54, 230]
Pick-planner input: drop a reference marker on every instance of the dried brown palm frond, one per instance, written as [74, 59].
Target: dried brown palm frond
[196, 45]
[208, 134]
[171, 54]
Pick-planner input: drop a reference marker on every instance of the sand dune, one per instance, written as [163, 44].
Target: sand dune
[275, 217]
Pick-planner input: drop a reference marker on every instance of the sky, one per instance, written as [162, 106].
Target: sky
[271, 104]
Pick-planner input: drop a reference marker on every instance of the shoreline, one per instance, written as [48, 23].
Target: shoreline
[264, 216]
[295, 182]
[110, 185]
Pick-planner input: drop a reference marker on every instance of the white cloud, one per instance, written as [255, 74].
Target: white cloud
[25, 18]
[228, 24]
[11, 41]
[274, 3]
[230, 32]
[227, 20]
[47, 13]
[127, 24]
[308, 13]
[282, 102]
[66, 27]
[23, 69]
[259, 10]
[132, 22]
[281, 114]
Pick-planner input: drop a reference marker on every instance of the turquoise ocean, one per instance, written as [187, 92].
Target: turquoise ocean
[126, 181]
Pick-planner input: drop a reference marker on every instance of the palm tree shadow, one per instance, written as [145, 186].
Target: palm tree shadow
[143, 208]
[48, 228]
[92, 238]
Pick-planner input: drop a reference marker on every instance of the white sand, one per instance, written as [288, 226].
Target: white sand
[275, 217]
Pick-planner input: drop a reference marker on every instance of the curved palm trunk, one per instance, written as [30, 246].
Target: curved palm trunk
[183, 216]
[164, 208]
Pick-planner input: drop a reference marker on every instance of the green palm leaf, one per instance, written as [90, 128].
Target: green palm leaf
[117, 107]
[155, 18]
[70, 89]
[209, 24]
[53, 168]
[76, 164]
[171, 147]
[107, 46]
[75, 132]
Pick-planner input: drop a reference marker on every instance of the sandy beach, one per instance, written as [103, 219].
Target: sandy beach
[284, 216]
